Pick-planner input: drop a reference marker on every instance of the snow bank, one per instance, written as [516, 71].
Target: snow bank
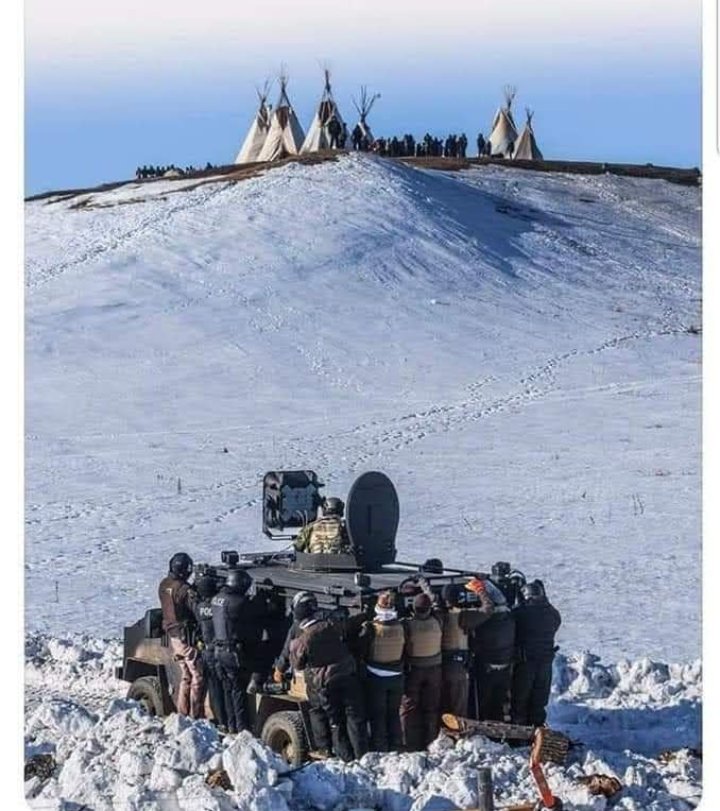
[118, 757]
[75, 666]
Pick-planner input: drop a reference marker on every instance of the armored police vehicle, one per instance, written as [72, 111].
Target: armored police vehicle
[345, 584]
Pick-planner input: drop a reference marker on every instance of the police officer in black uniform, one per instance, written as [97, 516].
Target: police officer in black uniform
[207, 588]
[536, 623]
[493, 653]
[238, 632]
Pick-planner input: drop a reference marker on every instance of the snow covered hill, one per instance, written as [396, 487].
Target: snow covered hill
[518, 351]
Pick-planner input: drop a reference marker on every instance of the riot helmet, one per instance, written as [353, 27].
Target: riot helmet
[304, 605]
[181, 565]
[238, 580]
[206, 586]
[333, 506]
[533, 591]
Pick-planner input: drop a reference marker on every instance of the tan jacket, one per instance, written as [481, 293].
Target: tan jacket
[386, 648]
[424, 641]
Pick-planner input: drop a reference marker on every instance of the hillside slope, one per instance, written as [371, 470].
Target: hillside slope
[516, 350]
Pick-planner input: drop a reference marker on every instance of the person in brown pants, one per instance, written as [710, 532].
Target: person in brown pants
[178, 599]
[456, 625]
[420, 705]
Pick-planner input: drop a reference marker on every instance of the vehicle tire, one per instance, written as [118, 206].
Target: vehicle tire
[284, 733]
[147, 692]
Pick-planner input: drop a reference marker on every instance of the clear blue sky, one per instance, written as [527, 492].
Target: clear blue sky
[115, 86]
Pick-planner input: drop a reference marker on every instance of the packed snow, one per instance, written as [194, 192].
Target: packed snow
[638, 722]
[519, 351]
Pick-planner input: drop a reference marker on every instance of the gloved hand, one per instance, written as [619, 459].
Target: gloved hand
[475, 585]
[255, 684]
[425, 587]
[277, 675]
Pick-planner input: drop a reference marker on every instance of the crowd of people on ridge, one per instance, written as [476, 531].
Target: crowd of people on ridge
[144, 172]
[406, 146]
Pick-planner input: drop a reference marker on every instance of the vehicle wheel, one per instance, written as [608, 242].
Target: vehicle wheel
[284, 733]
[147, 692]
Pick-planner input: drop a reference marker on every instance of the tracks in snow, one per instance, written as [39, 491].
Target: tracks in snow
[37, 275]
[344, 452]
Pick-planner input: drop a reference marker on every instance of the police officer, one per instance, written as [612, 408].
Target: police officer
[493, 650]
[457, 623]
[536, 622]
[383, 653]
[420, 705]
[271, 606]
[328, 534]
[178, 599]
[207, 588]
[333, 687]
[238, 631]
[282, 667]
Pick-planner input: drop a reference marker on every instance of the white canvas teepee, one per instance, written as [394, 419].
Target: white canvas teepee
[318, 136]
[285, 135]
[503, 133]
[363, 108]
[255, 139]
[526, 147]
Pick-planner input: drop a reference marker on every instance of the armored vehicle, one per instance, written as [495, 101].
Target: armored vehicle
[344, 584]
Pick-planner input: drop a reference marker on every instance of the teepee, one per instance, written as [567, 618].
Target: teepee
[526, 147]
[363, 108]
[255, 139]
[285, 135]
[318, 136]
[503, 133]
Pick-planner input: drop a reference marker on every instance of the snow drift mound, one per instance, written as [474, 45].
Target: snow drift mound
[118, 757]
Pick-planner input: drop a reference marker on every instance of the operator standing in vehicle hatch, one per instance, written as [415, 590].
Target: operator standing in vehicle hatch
[178, 599]
[326, 535]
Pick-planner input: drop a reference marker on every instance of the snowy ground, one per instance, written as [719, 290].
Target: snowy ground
[111, 756]
[511, 347]
[518, 351]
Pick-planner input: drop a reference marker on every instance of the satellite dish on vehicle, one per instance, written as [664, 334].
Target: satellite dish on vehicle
[372, 515]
